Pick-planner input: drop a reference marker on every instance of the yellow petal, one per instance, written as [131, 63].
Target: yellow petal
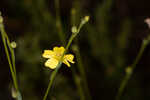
[59, 50]
[69, 57]
[48, 54]
[66, 62]
[51, 63]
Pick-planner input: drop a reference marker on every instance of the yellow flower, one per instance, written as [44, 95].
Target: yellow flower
[54, 56]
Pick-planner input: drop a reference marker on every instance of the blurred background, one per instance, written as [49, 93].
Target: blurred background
[106, 45]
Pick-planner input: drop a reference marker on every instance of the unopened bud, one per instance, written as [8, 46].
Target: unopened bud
[147, 21]
[13, 92]
[13, 44]
[85, 19]
[74, 29]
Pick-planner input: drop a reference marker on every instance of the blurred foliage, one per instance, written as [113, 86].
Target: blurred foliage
[103, 44]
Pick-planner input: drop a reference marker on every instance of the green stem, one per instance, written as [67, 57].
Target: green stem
[12, 52]
[52, 77]
[74, 34]
[79, 60]
[82, 72]
[8, 57]
[144, 44]
[78, 84]
[11, 64]
[133, 66]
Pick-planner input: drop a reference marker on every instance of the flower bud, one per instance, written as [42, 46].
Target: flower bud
[13, 44]
[74, 29]
[85, 20]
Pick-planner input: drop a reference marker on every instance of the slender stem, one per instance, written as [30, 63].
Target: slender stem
[122, 86]
[144, 44]
[74, 34]
[52, 77]
[78, 84]
[11, 64]
[12, 52]
[79, 65]
[83, 74]
[133, 66]
[70, 41]
[8, 58]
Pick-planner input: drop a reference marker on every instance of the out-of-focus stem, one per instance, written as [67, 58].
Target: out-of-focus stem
[79, 61]
[8, 57]
[11, 60]
[132, 67]
[77, 80]
[82, 72]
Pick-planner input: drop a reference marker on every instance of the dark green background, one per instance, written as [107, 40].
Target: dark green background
[108, 44]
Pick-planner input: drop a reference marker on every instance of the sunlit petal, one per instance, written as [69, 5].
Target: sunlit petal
[66, 62]
[59, 50]
[48, 54]
[69, 57]
[51, 63]
[55, 56]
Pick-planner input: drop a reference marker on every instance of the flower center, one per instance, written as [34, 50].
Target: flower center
[58, 56]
